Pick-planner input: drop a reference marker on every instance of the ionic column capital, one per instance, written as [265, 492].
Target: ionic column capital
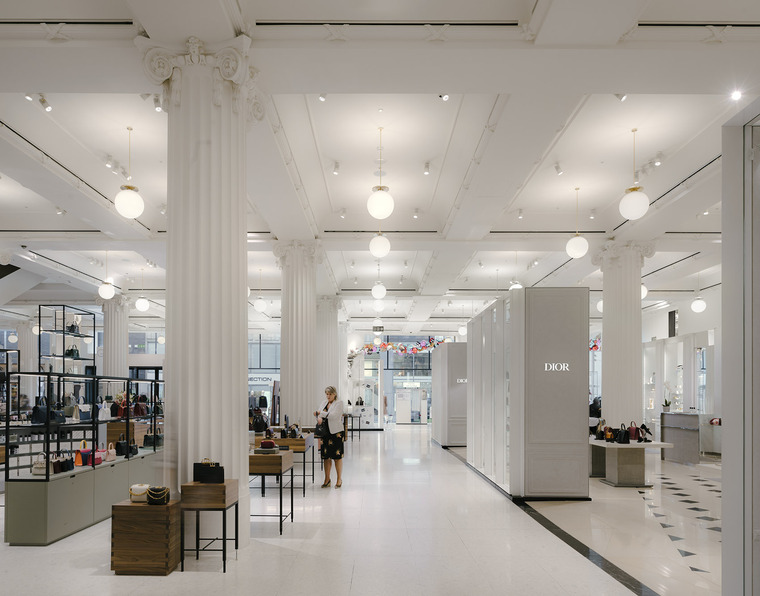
[284, 252]
[609, 255]
[115, 304]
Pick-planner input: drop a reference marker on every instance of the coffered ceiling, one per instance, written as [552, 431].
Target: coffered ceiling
[533, 87]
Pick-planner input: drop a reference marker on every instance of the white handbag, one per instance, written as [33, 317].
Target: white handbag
[104, 413]
[40, 465]
[138, 493]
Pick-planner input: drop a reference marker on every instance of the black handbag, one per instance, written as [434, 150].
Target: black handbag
[153, 441]
[121, 445]
[622, 436]
[73, 328]
[40, 412]
[57, 416]
[133, 448]
[71, 352]
[208, 472]
[260, 423]
[322, 429]
[158, 495]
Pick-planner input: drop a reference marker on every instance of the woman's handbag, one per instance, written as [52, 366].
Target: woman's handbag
[40, 412]
[82, 457]
[133, 448]
[71, 352]
[121, 445]
[100, 455]
[158, 495]
[138, 493]
[73, 328]
[633, 432]
[322, 429]
[140, 409]
[57, 464]
[110, 453]
[208, 472]
[153, 440]
[40, 465]
[104, 412]
[67, 462]
[622, 435]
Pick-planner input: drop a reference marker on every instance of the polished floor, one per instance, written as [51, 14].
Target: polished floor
[412, 518]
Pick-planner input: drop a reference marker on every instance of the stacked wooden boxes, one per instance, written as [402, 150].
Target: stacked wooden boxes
[145, 539]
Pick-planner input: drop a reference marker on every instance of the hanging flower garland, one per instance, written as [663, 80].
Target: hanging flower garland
[398, 348]
[594, 345]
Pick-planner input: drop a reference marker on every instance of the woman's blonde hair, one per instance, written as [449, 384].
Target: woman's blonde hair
[331, 390]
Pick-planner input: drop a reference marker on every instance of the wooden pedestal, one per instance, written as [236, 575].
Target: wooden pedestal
[196, 495]
[145, 539]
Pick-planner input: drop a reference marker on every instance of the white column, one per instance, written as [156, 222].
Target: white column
[344, 386]
[115, 335]
[327, 370]
[621, 264]
[299, 388]
[29, 349]
[209, 98]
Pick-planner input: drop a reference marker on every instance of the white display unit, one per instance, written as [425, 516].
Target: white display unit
[449, 364]
[527, 393]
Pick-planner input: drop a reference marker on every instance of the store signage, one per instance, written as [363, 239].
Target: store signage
[462, 381]
[556, 366]
[260, 379]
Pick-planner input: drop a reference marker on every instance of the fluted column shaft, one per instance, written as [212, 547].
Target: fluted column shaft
[115, 336]
[299, 388]
[206, 94]
[28, 346]
[621, 264]
[327, 369]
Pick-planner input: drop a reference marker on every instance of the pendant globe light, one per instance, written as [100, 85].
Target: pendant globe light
[128, 202]
[12, 338]
[377, 327]
[142, 303]
[644, 291]
[513, 284]
[380, 203]
[260, 305]
[378, 305]
[698, 305]
[106, 289]
[378, 290]
[634, 203]
[577, 246]
[379, 246]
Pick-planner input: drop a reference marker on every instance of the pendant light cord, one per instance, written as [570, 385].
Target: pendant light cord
[633, 130]
[577, 232]
[381, 154]
[129, 154]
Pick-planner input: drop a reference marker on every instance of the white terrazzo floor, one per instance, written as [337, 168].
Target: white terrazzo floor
[410, 519]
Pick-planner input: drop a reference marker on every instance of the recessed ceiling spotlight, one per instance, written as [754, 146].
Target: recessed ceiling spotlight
[109, 162]
[379, 110]
[416, 214]
[592, 215]
[28, 97]
[59, 211]
[342, 213]
[336, 168]
[706, 213]
[162, 209]
[157, 102]
[401, 280]
[322, 97]
[480, 264]
[621, 96]
[426, 171]
[444, 96]
[658, 159]
[736, 95]
[519, 214]
[356, 281]
[45, 104]
[558, 169]
[406, 264]
[535, 262]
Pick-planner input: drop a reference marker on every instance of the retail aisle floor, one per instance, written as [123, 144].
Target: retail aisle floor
[410, 519]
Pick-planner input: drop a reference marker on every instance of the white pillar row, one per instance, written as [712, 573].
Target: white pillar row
[299, 388]
[327, 371]
[344, 386]
[115, 335]
[209, 97]
[29, 349]
[622, 380]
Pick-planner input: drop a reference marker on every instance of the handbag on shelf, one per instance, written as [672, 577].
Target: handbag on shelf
[66, 461]
[110, 453]
[83, 412]
[633, 432]
[73, 328]
[100, 455]
[121, 445]
[153, 440]
[158, 495]
[123, 410]
[259, 423]
[82, 457]
[133, 448]
[114, 410]
[208, 472]
[40, 465]
[104, 413]
[321, 430]
[57, 464]
[57, 416]
[140, 409]
[40, 412]
[71, 352]
[138, 493]
[622, 435]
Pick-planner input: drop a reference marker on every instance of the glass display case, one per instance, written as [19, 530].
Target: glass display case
[66, 340]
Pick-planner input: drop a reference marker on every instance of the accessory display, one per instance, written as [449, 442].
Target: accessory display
[82, 457]
[121, 445]
[208, 472]
[138, 493]
[158, 495]
[268, 444]
[100, 455]
[71, 352]
[110, 453]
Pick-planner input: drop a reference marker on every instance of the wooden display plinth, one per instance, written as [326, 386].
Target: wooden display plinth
[297, 445]
[145, 539]
[2, 454]
[196, 495]
[270, 464]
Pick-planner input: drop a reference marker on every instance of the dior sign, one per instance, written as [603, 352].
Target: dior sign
[556, 367]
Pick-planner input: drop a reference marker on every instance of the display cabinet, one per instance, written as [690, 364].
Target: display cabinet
[66, 340]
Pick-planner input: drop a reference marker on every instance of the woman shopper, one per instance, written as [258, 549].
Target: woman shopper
[331, 411]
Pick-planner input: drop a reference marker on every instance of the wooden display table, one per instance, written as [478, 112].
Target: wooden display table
[197, 496]
[275, 464]
[621, 464]
[301, 446]
[145, 539]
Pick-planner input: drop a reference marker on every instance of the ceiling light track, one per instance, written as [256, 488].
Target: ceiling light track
[305, 23]
[69, 267]
[691, 256]
[63, 167]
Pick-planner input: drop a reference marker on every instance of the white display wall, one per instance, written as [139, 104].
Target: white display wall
[528, 392]
[449, 364]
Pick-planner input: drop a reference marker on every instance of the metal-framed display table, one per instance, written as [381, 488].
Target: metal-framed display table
[621, 464]
[300, 445]
[145, 539]
[276, 465]
[197, 496]
[352, 426]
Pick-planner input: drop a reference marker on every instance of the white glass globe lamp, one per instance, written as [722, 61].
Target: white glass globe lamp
[128, 202]
[161, 339]
[378, 305]
[378, 291]
[698, 305]
[600, 306]
[644, 291]
[87, 340]
[106, 290]
[379, 246]
[142, 304]
[380, 203]
[576, 247]
[463, 330]
[260, 305]
[36, 329]
[515, 285]
[634, 204]
[377, 341]
[12, 338]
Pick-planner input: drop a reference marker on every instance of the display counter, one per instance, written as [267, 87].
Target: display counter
[682, 430]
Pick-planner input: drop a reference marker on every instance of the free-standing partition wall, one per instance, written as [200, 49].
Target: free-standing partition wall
[528, 392]
[449, 368]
